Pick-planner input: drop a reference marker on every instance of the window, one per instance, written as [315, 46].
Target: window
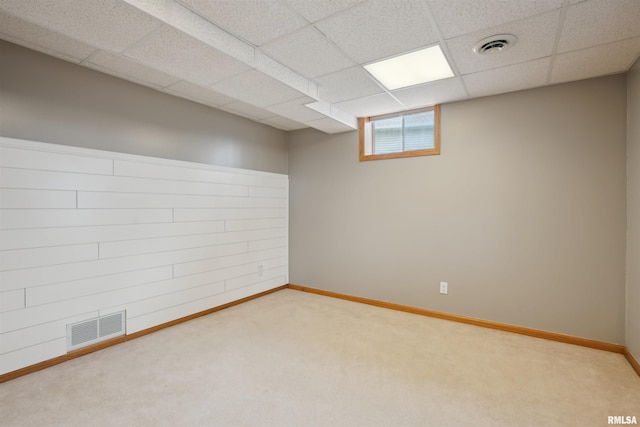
[408, 134]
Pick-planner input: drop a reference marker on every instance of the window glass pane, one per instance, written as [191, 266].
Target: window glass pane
[387, 135]
[418, 131]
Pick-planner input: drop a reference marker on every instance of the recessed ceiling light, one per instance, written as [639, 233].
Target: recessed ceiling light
[413, 68]
[495, 44]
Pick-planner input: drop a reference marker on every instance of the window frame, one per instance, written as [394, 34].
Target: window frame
[364, 127]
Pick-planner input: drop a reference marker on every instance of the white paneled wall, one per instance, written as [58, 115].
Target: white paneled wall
[84, 233]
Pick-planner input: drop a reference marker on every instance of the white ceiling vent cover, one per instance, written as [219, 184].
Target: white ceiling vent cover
[87, 332]
[495, 44]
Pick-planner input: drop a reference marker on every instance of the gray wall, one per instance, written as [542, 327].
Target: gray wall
[633, 212]
[50, 100]
[524, 213]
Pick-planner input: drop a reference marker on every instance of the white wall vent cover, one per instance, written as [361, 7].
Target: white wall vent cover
[87, 332]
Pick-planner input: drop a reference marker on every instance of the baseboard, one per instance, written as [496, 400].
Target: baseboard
[118, 340]
[634, 363]
[615, 348]
[430, 313]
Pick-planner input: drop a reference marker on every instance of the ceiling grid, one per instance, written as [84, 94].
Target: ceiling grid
[294, 64]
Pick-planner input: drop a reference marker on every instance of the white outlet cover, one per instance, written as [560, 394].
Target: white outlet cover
[444, 287]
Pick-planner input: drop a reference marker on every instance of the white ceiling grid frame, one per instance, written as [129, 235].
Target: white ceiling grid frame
[326, 58]
[524, 75]
[123, 67]
[198, 94]
[174, 52]
[348, 84]
[373, 105]
[314, 10]
[592, 38]
[185, 20]
[438, 92]
[459, 17]
[256, 21]
[536, 36]
[297, 110]
[247, 110]
[595, 61]
[342, 120]
[110, 24]
[257, 88]
[369, 31]
[283, 123]
[603, 21]
[43, 40]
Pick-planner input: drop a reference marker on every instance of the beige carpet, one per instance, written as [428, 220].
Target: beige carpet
[296, 359]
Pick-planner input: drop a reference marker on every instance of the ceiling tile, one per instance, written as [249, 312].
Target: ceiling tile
[246, 110]
[109, 24]
[373, 105]
[173, 52]
[38, 38]
[380, 28]
[284, 74]
[437, 92]
[596, 61]
[347, 84]
[296, 110]
[314, 10]
[521, 76]
[257, 88]
[283, 123]
[457, 17]
[256, 21]
[308, 52]
[329, 125]
[596, 22]
[123, 67]
[184, 19]
[198, 94]
[536, 37]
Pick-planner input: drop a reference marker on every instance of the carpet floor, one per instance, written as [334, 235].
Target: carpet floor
[295, 359]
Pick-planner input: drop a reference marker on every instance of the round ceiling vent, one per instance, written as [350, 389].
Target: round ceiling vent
[495, 44]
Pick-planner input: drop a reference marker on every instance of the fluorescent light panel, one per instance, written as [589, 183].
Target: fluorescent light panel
[413, 68]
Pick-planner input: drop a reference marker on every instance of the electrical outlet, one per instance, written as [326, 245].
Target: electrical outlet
[260, 270]
[444, 288]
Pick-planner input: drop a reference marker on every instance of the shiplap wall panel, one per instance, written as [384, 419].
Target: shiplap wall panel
[86, 233]
[40, 159]
[11, 198]
[161, 302]
[135, 247]
[33, 238]
[26, 356]
[38, 276]
[193, 267]
[12, 300]
[185, 282]
[45, 180]
[254, 224]
[180, 173]
[89, 199]
[77, 288]
[261, 245]
[21, 338]
[183, 215]
[268, 192]
[36, 257]
[46, 218]
[151, 319]
[249, 279]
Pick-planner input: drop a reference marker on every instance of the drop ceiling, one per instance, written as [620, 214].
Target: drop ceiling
[293, 64]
